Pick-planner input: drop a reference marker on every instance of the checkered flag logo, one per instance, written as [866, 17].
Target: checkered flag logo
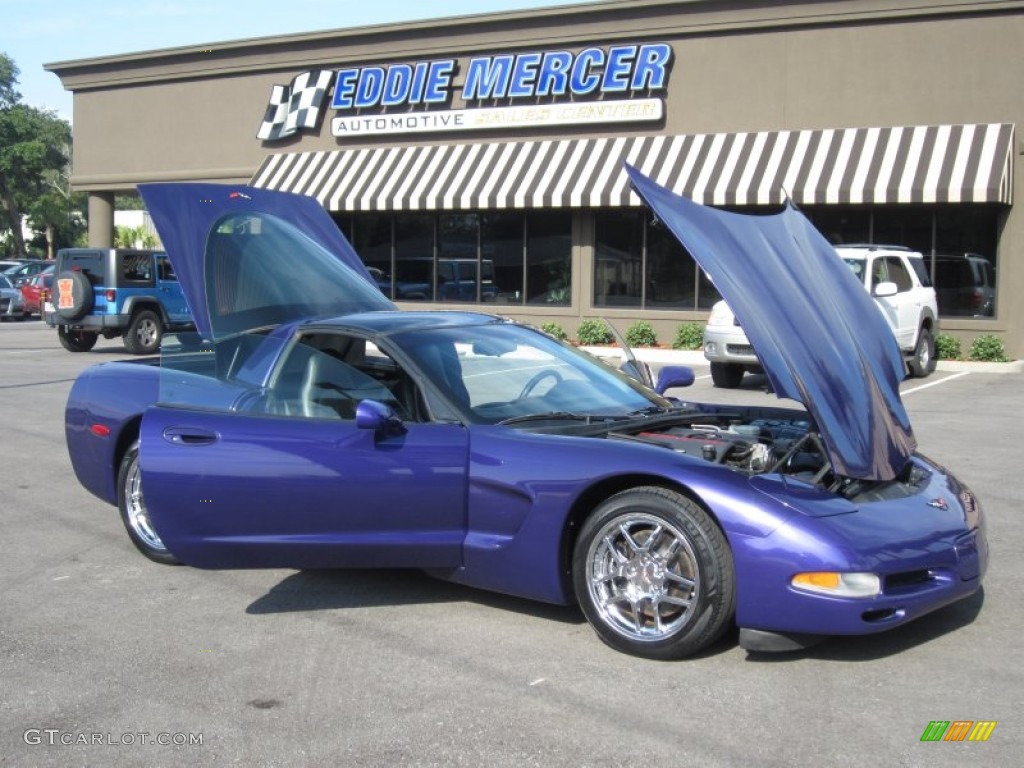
[295, 106]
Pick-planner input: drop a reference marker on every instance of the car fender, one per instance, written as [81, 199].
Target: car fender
[101, 419]
[528, 492]
[134, 303]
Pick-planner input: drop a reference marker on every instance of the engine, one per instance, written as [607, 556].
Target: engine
[755, 445]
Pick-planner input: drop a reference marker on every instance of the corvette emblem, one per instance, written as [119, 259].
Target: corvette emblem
[938, 503]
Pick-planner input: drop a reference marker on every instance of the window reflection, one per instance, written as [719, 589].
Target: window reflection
[549, 258]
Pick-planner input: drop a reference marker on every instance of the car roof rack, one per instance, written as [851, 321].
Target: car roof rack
[874, 246]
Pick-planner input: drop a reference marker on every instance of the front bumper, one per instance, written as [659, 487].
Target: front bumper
[930, 550]
[728, 344]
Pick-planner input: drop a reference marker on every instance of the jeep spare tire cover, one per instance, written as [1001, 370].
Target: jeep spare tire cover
[72, 295]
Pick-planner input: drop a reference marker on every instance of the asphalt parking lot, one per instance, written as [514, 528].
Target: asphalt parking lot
[101, 648]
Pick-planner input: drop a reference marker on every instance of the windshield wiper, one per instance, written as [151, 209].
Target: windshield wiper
[550, 416]
[651, 410]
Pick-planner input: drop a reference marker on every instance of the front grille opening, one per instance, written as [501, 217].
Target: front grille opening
[897, 581]
[873, 617]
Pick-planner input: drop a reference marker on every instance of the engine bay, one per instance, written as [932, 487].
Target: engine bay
[768, 440]
[752, 445]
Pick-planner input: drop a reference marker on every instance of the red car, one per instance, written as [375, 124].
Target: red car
[36, 291]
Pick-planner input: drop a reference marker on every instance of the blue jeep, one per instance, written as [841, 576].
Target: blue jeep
[115, 292]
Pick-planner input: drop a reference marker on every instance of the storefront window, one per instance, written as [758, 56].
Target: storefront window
[414, 258]
[501, 244]
[549, 258]
[909, 226]
[370, 235]
[707, 294]
[670, 272]
[619, 251]
[958, 243]
[964, 265]
[840, 224]
[641, 264]
[459, 269]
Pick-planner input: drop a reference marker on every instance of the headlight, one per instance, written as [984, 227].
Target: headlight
[721, 314]
[839, 584]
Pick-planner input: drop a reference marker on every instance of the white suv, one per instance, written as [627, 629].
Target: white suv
[896, 277]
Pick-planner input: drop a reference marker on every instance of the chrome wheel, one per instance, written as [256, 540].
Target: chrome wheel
[131, 502]
[643, 577]
[653, 574]
[135, 509]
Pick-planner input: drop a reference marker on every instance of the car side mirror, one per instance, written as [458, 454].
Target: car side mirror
[886, 289]
[674, 376]
[378, 417]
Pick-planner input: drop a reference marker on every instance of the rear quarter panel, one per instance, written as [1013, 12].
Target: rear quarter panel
[109, 397]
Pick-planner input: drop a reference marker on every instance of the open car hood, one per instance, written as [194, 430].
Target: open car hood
[249, 258]
[817, 332]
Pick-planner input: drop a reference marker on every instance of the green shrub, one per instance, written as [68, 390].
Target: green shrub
[592, 331]
[988, 348]
[947, 347]
[641, 334]
[689, 336]
[554, 329]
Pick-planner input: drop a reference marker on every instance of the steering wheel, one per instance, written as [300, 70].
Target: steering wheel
[548, 373]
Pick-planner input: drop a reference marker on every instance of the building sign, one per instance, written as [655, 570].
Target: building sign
[533, 89]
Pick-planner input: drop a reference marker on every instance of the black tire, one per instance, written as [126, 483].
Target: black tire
[923, 361]
[145, 331]
[132, 505]
[654, 575]
[76, 341]
[727, 375]
[73, 295]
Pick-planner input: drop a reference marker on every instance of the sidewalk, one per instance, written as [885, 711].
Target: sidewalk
[696, 358]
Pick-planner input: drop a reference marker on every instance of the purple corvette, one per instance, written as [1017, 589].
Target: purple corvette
[310, 424]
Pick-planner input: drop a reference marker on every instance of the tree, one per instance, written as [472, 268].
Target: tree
[34, 146]
[57, 214]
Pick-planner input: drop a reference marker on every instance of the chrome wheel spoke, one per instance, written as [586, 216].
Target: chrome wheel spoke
[613, 550]
[628, 538]
[635, 568]
[638, 625]
[682, 602]
[652, 538]
[679, 580]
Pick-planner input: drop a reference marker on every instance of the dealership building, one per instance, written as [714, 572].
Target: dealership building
[478, 161]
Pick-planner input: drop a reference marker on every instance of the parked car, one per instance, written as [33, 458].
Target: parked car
[36, 291]
[965, 285]
[325, 428]
[115, 292]
[898, 280]
[11, 303]
[19, 274]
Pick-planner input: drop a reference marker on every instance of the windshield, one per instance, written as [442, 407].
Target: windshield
[5, 283]
[503, 371]
[856, 266]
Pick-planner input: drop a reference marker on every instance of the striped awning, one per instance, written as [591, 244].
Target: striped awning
[916, 164]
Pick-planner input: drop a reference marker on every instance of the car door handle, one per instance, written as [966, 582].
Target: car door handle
[189, 436]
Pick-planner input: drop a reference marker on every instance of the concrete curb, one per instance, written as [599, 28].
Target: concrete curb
[1014, 366]
[653, 355]
[696, 357]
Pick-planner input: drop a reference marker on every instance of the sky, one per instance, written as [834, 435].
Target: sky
[39, 32]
